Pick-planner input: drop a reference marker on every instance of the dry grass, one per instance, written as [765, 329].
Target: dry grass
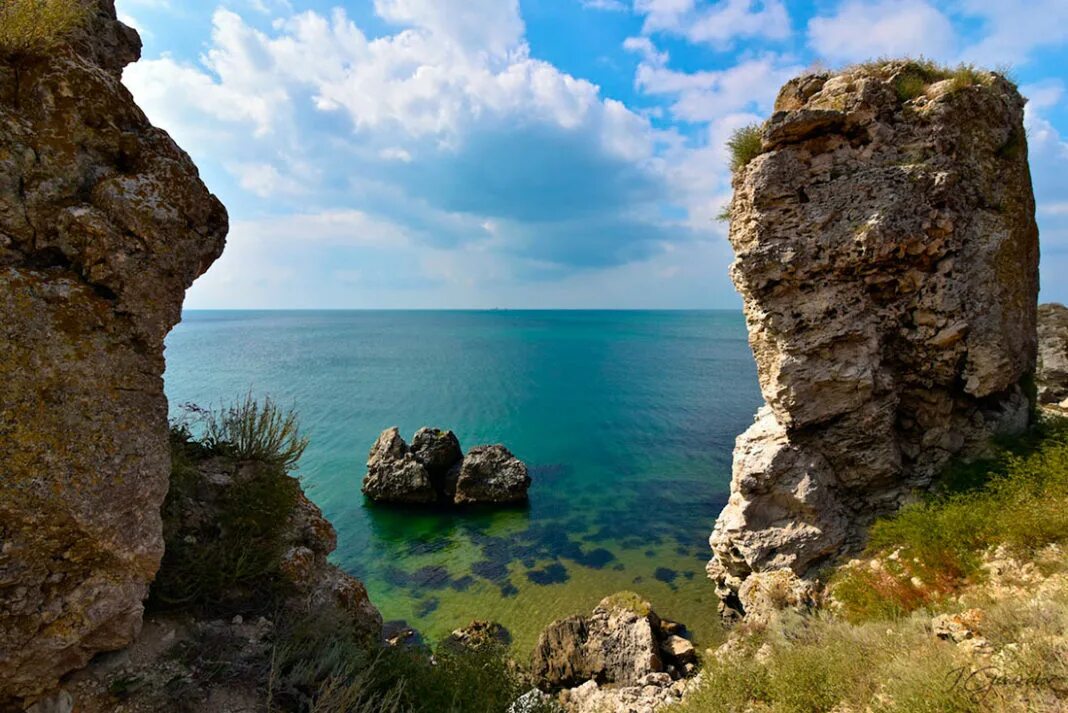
[36, 27]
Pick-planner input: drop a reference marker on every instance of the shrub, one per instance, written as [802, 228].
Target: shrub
[35, 27]
[227, 561]
[744, 145]
[318, 667]
[249, 430]
[1019, 498]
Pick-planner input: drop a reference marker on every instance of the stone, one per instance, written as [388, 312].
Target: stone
[438, 451]
[533, 701]
[764, 594]
[491, 474]
[678, 649]
[479, 634]
[621, 642]
[1051, 376]
[887, 255]
[394, 475]
[958, 627]
[104, 224]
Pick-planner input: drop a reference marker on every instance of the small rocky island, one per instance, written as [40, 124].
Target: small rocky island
[434, 470]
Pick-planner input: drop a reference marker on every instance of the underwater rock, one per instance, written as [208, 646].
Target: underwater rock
[435, 470]
[887, 254]
[621, 642]
[1052, 374]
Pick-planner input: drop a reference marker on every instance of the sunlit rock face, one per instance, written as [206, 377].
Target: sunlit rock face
[887, 253]
[104, 223]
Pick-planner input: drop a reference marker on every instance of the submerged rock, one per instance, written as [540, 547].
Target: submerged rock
[1052, 374]
[104, 223]
[887, 253]
[621, 642]
[435, 470]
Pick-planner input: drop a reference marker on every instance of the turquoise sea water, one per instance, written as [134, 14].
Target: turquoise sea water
[627, 420]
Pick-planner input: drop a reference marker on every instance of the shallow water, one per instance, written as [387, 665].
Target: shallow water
[627, 420]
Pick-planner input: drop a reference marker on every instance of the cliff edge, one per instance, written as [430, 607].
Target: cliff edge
[104, 223]
[887, 254]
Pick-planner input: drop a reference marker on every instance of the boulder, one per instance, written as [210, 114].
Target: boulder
[435, 470]
[887, 255]
[1052, 375]
[394, 475]
[438, 451]
[104, 224]
[621, 642]
[491, 474]
[479, 634]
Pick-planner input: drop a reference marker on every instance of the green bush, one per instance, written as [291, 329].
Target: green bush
[228, 561]
[249, 430]
[744, 145]
[320, 668]
[35, 27]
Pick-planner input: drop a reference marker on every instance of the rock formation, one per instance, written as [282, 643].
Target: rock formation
[887, 253]
[622, 642]
[104, 223]
[1052, 375]
[435, 470]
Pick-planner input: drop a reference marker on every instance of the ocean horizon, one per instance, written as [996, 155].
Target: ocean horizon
[626, 418]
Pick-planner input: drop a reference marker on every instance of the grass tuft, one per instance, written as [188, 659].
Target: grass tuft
[36, 27]
[744, 145]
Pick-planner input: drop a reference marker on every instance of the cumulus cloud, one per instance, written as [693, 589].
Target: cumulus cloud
[718, 24]
[445, 125]
[885, 28]
[1014, 29]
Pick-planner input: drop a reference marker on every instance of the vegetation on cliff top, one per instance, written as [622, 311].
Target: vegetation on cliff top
[35, 27]
[745, 145]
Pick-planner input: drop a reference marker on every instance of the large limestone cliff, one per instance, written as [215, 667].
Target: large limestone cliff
[104, 223]
[887, 253]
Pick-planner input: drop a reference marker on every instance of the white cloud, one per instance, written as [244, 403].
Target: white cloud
[710, 95]
[263, 179]
[718, 24]
[644, 47]
[1013, 29]
[608, 5]
[884, 28]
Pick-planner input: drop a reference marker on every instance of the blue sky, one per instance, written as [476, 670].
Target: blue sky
[526, 153]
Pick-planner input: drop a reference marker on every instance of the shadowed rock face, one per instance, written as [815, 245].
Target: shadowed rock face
[887, 254]
[104, 223]
[1052, 377]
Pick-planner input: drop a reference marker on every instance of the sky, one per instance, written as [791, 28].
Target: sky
[527, 153]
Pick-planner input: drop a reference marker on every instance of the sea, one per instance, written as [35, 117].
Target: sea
[626, 420]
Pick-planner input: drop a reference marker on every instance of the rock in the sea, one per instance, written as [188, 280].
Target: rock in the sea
[435, 470]
[621, 642]
[478, 635]
[104, 223]
[438, 451]
[393, 473]
[491, 474]
[1052, 374]
[887, 254]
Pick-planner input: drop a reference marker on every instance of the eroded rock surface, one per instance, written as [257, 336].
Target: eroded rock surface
[622, 642]
[887, 253]
[104, 223]
[435, 470]
[1052, 375]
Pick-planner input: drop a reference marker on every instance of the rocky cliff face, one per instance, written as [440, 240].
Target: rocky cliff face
[887, 253]
[104, 223]
[1052, 376]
